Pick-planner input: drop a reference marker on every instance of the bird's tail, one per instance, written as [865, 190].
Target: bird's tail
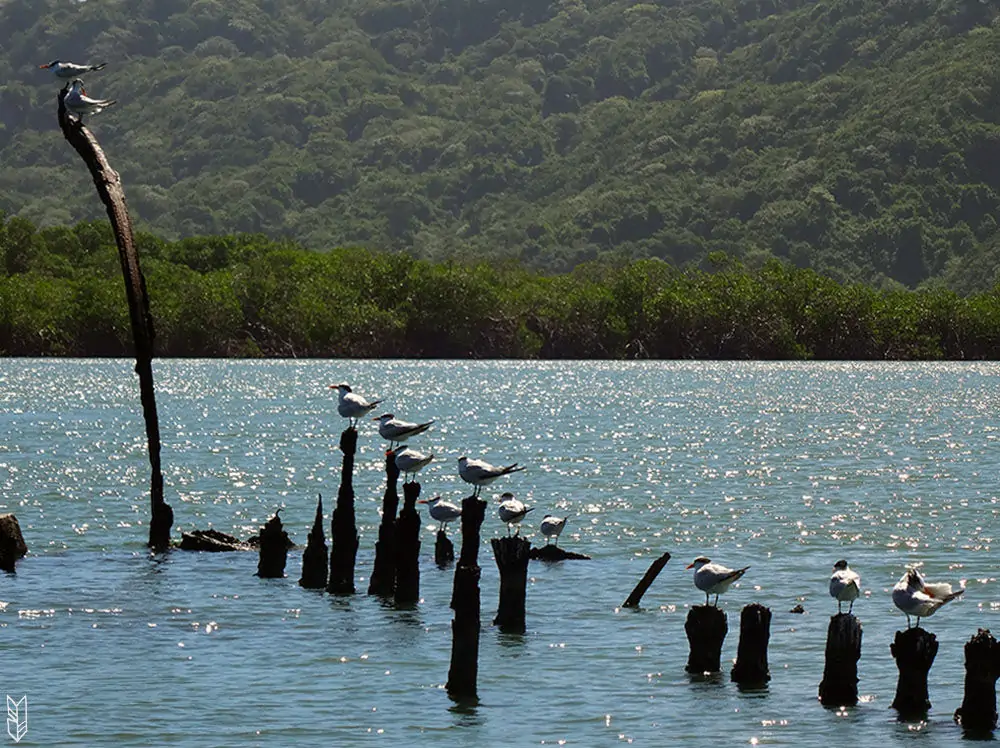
[942, 591]
[738, 573]
[515, 468]
[529, 509]
[95, 68]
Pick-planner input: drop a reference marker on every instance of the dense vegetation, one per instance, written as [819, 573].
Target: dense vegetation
[61, 293]
[855, 137]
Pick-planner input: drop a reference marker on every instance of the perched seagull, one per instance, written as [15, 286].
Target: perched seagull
[77, 101]
[441, 510]
[396, 431]
[409, 461]
[845, 585]
[351, 406]
[512, 511]
[914, 596]
[713, 579]
[479, 472]
[552, 527]
[67, 70]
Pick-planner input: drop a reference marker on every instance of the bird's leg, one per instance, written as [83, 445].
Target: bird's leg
[716, 600]
[839, 608]
[706, 598]
[908, 620]
[918, 621]
[850, 608]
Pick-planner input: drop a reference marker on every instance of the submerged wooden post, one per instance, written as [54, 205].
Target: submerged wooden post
[647, 579]
[706, 630]
[109, 189]
[751, 655]
[273, 549]
[465, 601]
[839, 686]
[982, 668]
[12, 545]
[444, 551]
[343, 527]
[408, 547]
[383, 579]
[914, 650]
[314, 564]
[511, 554]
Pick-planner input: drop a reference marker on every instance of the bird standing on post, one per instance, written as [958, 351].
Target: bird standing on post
[917, 597]
[479, 472]
[845, 585]
[512, 511]
[552, 527]
[442, 511]
[77, 102]
[713, 579]
[396, 431]
[352, 406]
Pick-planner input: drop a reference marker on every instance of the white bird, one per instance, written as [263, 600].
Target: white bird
[845, 585]
[352, 406]
[512, 511]
[67, 70]
[397, 431]
[409, 461]
[713, 579]
[441, 510]
[77, 101]
[917, 597]
[480, 472]
[552, 527]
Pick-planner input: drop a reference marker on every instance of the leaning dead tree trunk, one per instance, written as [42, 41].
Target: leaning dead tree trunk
[109, 189]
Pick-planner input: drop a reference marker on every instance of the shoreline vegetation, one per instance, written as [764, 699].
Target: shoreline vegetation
[246, 295]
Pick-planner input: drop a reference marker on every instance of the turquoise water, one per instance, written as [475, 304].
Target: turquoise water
[785, 467]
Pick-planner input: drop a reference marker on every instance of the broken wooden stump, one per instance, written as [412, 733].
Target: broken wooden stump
[914, 650]
[647, 579]
[444, 551]
[465, 601]
[751, 655]
[383, 579]
[706, 630]
[978, 712]
[511, 554]
[408, 547]
[212, 541]
[555, 553]
[314, 564]
[839, 686]
[343, 525]
[12, 545]
[273, 549]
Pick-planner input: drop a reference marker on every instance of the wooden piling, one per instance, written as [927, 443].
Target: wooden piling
[751, 655]
[552, 553]
[109, 189]
[343, 526]
[12, 545]
[511, 554]
[647, 579]
[839, 686]
[383, 579]
[982, 668]
[408, 547]
[273, 549]
[465, 601]
[706, 630]
[914, 650]
[314, 564]
[444, 551]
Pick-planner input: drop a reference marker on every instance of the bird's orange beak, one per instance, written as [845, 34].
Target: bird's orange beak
[44, 67]
[421, 501]
[689, 566]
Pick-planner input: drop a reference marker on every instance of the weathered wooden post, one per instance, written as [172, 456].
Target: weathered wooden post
[978, 712]
[511, 554]
[444, 551]
[343, 526]
[12, 545]
[706, 630]
[465, 601]
[839, 686]
[109, 189]
[914, 650]
[552, 553]
[751, 655]
[647, 579]
[408, 547]
[383, 579]
[314, 564]
[273, 549]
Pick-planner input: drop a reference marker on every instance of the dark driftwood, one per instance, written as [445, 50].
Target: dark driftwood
[408, 547]
[273, 551]
[314, 564]
[706, 630]
[647, 579]
[511, 554]
[343, 526]
[914, 650]
[751, 655]
[839, 686]
[555, 553]
[212, 541]
[383, 579]
[12, 545]
[465, 601]
[444, 551]
[109, 189]
[982, 668]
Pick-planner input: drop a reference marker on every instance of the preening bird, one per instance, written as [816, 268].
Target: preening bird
[552, 527]
[917, 597]
[409, 461]
[713, 579]
[352, 406]
[397, 431]
[67, 70]
[845, 585]
[442, 511]
[77, 102]
[512, 511]
[479, 472]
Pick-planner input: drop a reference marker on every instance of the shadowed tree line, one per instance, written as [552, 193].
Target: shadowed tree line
[246, 295]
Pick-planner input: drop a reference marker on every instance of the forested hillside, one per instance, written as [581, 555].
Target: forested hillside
[856, 137]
